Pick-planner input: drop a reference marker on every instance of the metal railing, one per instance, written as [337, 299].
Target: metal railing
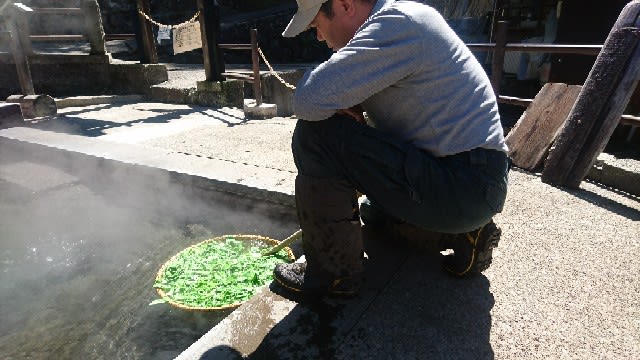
[21, 39]
[500, 47]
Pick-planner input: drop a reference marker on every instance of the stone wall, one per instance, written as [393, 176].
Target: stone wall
[237, 18]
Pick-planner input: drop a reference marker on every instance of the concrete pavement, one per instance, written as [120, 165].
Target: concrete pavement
[564, 281]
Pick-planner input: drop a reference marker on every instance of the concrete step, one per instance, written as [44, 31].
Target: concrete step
[219, 175]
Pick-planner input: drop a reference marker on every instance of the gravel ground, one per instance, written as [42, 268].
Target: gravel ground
[565, 279]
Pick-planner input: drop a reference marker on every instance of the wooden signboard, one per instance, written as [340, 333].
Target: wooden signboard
[530, 139]
[187, 38]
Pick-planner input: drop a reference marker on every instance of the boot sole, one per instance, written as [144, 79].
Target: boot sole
[484, 256]
[316, 292]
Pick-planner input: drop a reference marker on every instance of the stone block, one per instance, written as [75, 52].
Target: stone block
[10, 115]
[262, 111]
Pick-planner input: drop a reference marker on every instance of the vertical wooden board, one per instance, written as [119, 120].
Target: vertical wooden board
[530, 139]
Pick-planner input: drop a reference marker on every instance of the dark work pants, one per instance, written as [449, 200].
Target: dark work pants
[451, 194]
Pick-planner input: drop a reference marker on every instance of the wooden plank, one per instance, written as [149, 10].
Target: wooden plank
[599, 106]
[58, 11]
[531, 137]
[57, 38]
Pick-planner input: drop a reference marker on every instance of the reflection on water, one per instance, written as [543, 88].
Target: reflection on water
[76, 275]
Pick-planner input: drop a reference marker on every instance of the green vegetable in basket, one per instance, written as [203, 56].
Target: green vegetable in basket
[217, 273]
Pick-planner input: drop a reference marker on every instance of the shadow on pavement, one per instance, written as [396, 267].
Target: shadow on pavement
[607, 203]
[408, 309]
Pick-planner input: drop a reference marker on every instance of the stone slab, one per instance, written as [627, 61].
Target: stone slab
[10, 115]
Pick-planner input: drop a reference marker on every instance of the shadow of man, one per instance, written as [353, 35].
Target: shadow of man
[409, 308]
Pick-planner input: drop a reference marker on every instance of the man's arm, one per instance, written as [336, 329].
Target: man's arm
[383, 52]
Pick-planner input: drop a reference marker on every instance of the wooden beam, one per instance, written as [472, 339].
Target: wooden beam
[19, 17]
[108, 37]
[17, 45]
[235, 46]
[58, 11]
[149, 51]
[630, 120]
[497, 63]
[600, 105]
[210, 29]
[255, 65]
[55, 38]
[545, 48]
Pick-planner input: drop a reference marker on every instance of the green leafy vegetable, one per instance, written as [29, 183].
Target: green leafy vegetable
[217, 273]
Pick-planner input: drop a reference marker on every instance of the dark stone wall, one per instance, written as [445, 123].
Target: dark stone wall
[82, 75]
[236, 17]
[302, 49]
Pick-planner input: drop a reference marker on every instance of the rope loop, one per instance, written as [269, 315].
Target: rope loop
[149, 19]
[273, 72]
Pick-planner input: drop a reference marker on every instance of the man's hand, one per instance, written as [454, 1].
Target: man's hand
[356, 112]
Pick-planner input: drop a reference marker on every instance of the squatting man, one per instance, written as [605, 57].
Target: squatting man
[404, 113]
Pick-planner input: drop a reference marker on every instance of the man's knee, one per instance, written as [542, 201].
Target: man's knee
[317, 146]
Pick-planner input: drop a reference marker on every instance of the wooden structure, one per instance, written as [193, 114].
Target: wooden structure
[214, 67]
[573, 141]
[601, 103]
[17, 15]
[145, 34]
[531, 137]
[213, 61]
[18, 18]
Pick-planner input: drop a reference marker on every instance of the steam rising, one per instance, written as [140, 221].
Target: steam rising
[81, 239]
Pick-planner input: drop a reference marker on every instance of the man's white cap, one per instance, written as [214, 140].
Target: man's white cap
[307, 10]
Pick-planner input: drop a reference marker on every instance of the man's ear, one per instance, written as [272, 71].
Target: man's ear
[346, 6]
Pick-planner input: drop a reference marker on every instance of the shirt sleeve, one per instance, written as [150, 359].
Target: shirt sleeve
[384, 51]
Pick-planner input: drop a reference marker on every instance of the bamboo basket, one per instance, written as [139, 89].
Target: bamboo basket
[270, 242]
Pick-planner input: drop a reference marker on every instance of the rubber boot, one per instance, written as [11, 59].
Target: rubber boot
[328, 214]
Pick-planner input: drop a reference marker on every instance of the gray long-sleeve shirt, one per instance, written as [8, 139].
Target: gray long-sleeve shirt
[415, 78]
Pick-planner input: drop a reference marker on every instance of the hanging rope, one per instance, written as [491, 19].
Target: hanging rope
[274, 73]
[149, 19]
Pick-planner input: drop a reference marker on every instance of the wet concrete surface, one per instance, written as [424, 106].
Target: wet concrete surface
[563, 283]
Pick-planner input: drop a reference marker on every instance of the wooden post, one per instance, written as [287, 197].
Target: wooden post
[20, 15]
[19, 49]
[497, 9]
[498, 56]
[600, 105]
[255, 62]
[93, 23]
[209, 30]
[149, 52]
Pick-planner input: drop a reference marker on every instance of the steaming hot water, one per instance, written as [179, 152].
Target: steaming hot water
[77, 262]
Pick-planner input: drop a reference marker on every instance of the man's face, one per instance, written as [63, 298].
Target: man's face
[335, 31]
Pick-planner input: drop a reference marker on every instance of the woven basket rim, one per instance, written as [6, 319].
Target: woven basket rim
[241, 237]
